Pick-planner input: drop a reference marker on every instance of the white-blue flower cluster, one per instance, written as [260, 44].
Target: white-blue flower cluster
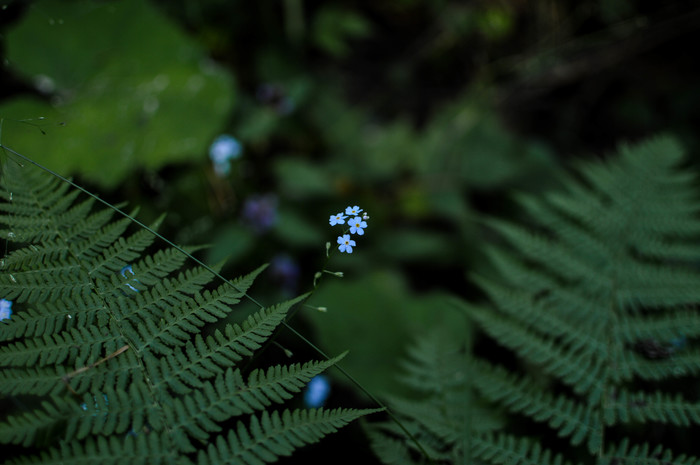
[356, 225]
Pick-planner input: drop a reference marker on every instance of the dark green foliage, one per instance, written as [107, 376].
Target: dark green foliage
[107, 364]
[440, 416]
[598, 299]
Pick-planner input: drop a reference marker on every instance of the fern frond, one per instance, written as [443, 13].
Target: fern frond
[644, 454]
[78, 343]
[661, 327]
[48, 318]
[522, 395]
[32, 217]
[56, 282]
[191, 314]
[113, 412]
[281, 433]
[656, 366]
[106, 343]
[599, 293]
[144, 449]
[503, 448]
[206, 357]
[150, 304]
[118, 255]
[228, 396]
[445, 415]
[89, 238]
[435, 363]
[657, 407]
[597, 299]
[24, 428]
[578, 369]
[31, 381]
[389, 449]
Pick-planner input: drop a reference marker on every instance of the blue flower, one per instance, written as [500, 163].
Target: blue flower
[274, 96]
[353, 211]
[97, 405]
[5, 309]
[260, 212]
[357, 226]
[285, 271]
[346, 244]
[224, 149]
[679, 342]
[317, 391]
[338, 218]
[130, 270]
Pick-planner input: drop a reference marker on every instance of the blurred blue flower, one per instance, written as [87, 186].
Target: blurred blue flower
[222, 150]
[124, 271]
[317, 391]
[5, 309]
[337, 219]
[260, 212]
[97, 405]
[285, 271]
[346, 244]
[357, 226]
[275, 96]
[679, 342]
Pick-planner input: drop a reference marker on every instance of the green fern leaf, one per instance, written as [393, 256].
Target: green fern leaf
[502, 448]
[281, 433]
[597, 299]
[599, 293]
[105, 343]
[144, 449]
[229, 396]
[643, 454]
[442, 415]
[206, 357]
[652, 407]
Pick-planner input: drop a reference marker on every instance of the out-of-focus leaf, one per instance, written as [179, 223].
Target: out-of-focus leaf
[495, 23]
[378, 308]
[293, 229]
[467, 144]
[132, 89]
[300, 179]
[230, 243]
[259, 124]
[417, 244]
[333, 27]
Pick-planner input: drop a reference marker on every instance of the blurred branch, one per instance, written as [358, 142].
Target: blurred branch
[604, 54]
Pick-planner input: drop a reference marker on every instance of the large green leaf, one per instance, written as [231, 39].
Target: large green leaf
[131, 88]
[381, 310]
